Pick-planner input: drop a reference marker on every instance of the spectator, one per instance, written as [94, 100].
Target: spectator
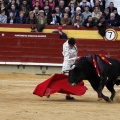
[47, 12]
[24, 3]
[11, 18]
[28, 1]
[77, 22]
[3, 17]
[72, 7]
[102, 26]
[65, 20]
[38, 3]
[62, 6]
[83, 4]
[31, 19]
[52, 4]
[75, 3]
[97, 3]
[67, 10]
[58, 13]
[117, 16]
[41, 21]
[112, 21]
[21, 19]
[106, 14]
[14, 10]
[36, 11]
[86, 13]
[111, 7]
[77, 12]
[3, 7]
[13, 2]
[92, 2]
[54, 19]
[46, 3]
[62, 34]
[96, 14]
[89, 22]
[25, 11]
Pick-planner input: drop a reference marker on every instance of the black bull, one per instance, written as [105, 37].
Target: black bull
[99, 75]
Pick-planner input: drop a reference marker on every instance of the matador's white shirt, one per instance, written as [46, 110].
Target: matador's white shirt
[68, 53]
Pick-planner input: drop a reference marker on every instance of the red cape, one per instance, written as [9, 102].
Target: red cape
[59, 83]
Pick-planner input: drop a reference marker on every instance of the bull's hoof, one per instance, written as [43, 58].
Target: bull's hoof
[99, 99]
[117, 82]
[107, 99]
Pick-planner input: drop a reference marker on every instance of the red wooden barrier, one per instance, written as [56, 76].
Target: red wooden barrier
[50, 51]
[28, 35]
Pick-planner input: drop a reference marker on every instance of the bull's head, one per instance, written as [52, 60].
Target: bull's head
[75, 75]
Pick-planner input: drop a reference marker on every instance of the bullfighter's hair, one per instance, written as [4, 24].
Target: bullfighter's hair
[71, 41]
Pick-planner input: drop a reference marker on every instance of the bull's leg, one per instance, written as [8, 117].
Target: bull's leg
[110, 87]
[95, 87]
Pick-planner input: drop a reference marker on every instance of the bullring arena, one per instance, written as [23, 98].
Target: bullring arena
[26, 61]
[18, 103]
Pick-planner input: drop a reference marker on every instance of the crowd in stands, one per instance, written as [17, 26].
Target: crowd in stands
[59, 12]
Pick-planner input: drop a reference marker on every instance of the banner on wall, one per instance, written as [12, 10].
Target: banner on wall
[116, 4]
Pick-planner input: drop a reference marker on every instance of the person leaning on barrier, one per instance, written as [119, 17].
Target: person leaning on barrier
[65, 20]
[112, 21]
[62, 34]
[53, 19]
[77, 12]
[102, 24]
[41, 21]
[77, 22]
[31, 19]
[89, 22]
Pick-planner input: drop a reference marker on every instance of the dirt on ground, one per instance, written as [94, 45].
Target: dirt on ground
[17, 102]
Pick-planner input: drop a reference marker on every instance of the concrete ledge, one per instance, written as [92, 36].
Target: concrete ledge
[31, 68]
[30, 63]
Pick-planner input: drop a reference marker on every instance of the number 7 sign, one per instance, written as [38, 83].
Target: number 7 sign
[111, 35]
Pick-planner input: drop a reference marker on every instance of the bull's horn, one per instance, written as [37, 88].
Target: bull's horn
[73, 58]
[72, 67]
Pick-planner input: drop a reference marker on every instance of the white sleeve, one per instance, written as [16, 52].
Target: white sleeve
[66, 50]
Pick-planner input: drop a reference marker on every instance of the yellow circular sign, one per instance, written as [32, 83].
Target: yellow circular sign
[111, 35]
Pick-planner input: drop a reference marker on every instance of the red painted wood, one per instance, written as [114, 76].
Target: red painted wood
[28, 35]
[50, 50]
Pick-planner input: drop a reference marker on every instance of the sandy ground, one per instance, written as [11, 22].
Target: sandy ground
[18, 103]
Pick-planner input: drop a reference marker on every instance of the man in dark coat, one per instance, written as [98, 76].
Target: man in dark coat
[53, 19]
[111, 7]
[89, 22]
[62, 34]
[102, 26]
